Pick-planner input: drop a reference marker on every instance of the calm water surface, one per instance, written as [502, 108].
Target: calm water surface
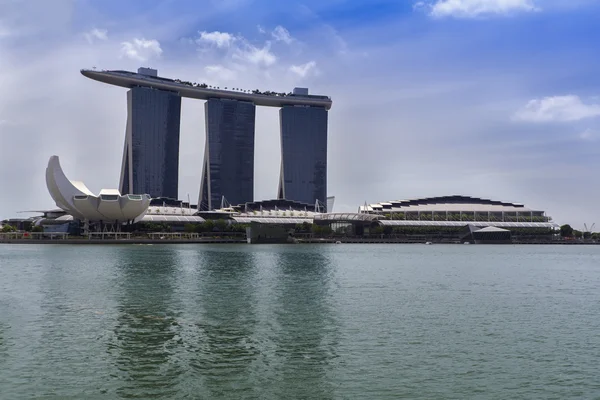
[310, 322]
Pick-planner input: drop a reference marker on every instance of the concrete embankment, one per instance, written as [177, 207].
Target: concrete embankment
[433, 241]
[232, 241]
[120, 241]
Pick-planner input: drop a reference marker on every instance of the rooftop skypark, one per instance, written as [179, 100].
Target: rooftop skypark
[149, 78]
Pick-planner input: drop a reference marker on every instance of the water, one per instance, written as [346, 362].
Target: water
[299, 321]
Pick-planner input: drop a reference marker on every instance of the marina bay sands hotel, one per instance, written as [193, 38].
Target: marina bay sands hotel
[151, 152]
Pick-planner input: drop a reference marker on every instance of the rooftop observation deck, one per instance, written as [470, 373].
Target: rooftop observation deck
[130, 79]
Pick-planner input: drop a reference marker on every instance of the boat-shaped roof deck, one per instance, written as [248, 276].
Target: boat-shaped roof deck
[201, 91]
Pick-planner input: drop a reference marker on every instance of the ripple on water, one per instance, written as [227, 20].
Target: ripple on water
[299, 322]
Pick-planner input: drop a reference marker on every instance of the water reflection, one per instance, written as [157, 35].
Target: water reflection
[146, 332]
[3, 346]
[64, 326]
[306, 338]
[225, 346]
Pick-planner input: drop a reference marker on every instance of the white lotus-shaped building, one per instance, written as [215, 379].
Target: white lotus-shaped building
[77, 200]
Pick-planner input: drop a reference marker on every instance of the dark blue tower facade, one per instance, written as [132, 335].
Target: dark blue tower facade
[303, 175]
[228, 169]
[151, 154]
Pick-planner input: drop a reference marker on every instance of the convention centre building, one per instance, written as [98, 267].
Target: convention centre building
[457, 211]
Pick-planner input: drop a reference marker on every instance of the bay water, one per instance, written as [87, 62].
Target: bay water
[299, 322]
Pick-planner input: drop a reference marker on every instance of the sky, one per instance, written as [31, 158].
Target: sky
[487, 98]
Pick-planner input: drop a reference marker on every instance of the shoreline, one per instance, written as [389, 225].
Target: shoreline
[143, 241]
[120, 241]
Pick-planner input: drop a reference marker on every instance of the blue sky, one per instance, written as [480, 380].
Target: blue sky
[490, 98]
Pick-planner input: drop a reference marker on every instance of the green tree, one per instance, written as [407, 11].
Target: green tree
[378, 230]
[7, 229]
[566, 231]
[221, 225]
[207, 226]
[190, 228]
[316, 229]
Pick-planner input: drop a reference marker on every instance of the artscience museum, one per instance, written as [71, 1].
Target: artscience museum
[110, 206]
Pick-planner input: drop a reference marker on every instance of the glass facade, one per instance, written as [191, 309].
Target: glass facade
[303, 175]
[151, 153]
[228, 169]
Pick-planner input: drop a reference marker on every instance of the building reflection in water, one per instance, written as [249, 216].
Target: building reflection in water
[146, 337]
[225, 346]
[3, 345]
[306, 336]
[224, 322]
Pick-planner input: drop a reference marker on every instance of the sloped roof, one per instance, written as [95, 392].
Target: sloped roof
[492, 229]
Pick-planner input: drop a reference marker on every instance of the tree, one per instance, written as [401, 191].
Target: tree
[566, 231]
[221, 225]
[189, 228]
[206, 226]
[7, 229]
[378, 230]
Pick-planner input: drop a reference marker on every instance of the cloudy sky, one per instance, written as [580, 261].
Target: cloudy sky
[489, 98]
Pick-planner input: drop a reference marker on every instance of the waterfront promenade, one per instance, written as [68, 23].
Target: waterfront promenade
[191, 238]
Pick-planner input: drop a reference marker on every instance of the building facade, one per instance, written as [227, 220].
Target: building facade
[458, 210]
[151, 152]
[228, 169]
[150, 159]
[303, 175]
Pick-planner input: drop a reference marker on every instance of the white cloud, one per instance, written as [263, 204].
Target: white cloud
[216, 38]
[261, 29]
[470, 109]
[220, 73]
[4, 31]
[475, 8]
[239, 49]
[100, 34]
[282, 35]
[557, 109]
[420, 5]
[589, 135]
[303, 69]
[141, 49]
[260, 56]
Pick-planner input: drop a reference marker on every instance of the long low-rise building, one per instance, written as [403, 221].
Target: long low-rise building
[455, 210]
